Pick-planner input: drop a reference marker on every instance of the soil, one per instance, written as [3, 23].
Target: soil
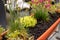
[41, 26]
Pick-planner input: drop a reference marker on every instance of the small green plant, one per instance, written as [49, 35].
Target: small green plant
[40, 9]
[18, 34]
[52, 9]
[41, 13]
[28, 21]
[57, 5]
[13, 34]
[2, 30]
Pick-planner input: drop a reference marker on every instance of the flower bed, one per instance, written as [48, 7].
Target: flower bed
[30, 27]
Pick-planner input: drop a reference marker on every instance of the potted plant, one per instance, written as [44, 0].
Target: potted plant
[58, 8]
[54, 9]
[31, 27]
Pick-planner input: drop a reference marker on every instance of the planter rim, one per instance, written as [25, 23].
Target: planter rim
[49, 31]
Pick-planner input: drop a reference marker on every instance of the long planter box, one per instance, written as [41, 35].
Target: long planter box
[49, 31]
[45, 35]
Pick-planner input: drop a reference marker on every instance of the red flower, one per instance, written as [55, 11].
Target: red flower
[47, 5]
[35, 2]
[41, 1]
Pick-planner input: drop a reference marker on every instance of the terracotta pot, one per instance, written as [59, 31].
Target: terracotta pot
[58, 10]
[48, 32]
[0, 37]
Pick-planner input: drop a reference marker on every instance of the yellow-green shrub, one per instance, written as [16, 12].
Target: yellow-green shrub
[28, 21]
